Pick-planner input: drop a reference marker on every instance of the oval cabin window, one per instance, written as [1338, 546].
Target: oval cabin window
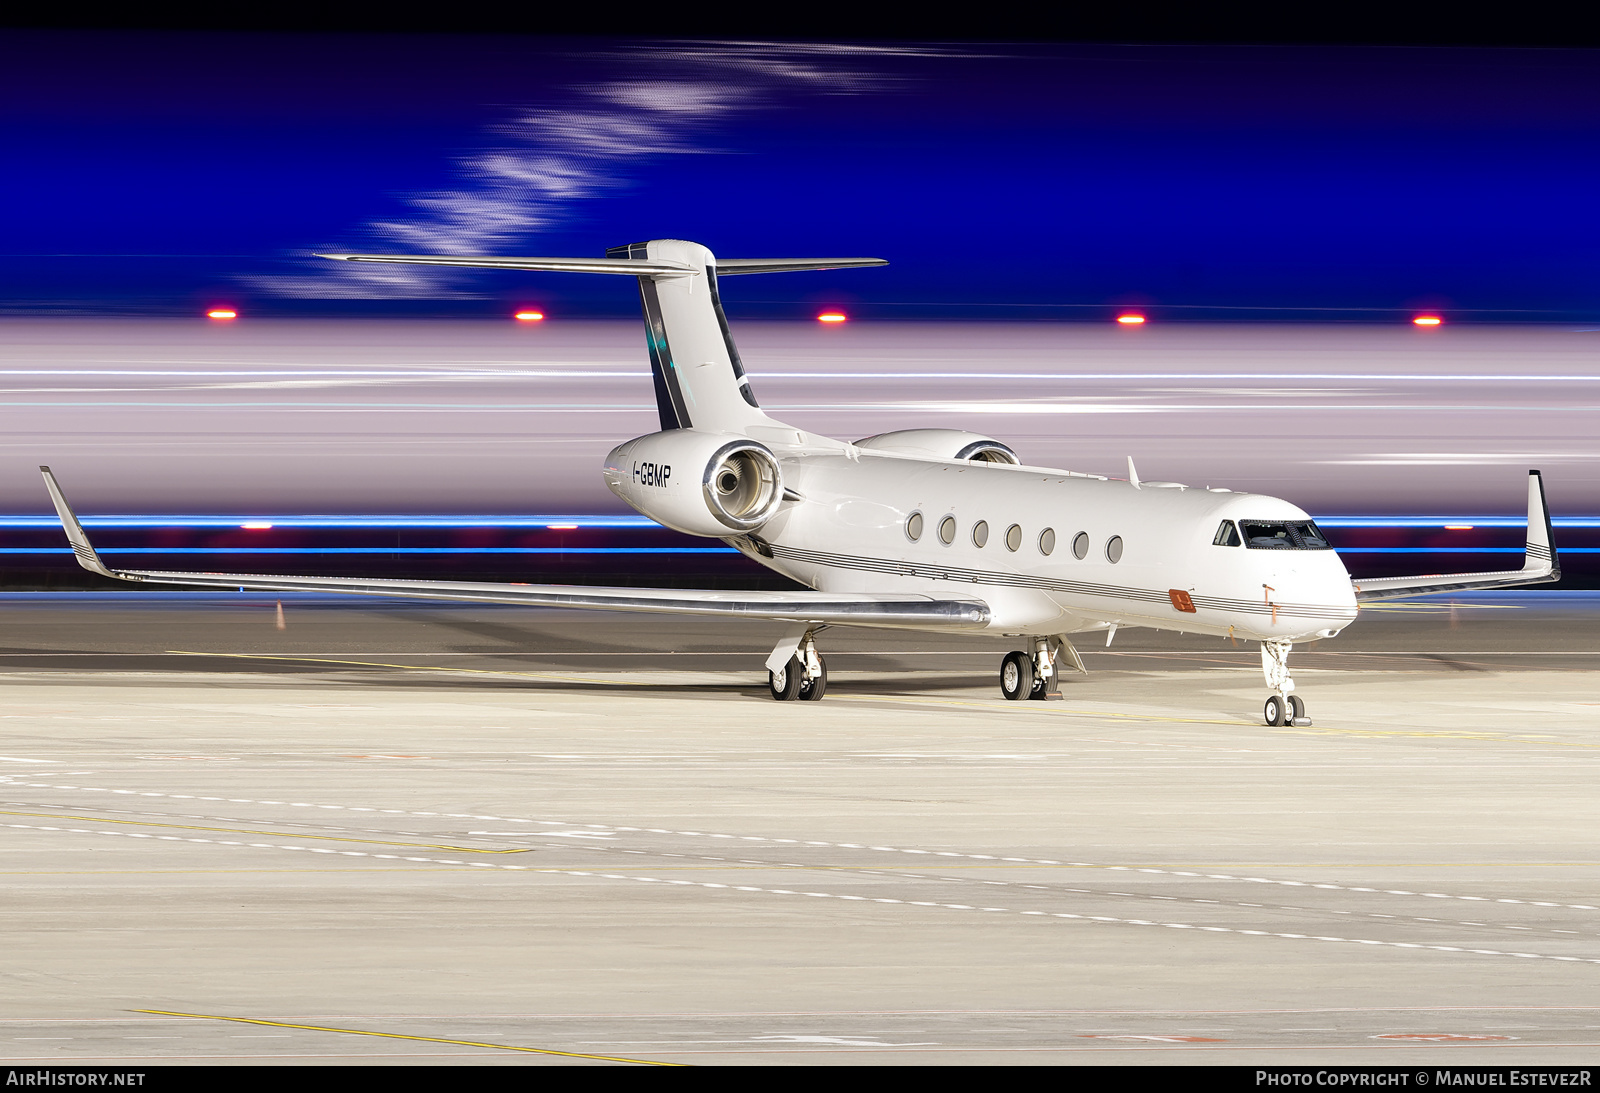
[1047, 541]
[947, 530]
[980, 533]
[914, 527]
[1114, 550]
[1080, 545]
[1014, 537]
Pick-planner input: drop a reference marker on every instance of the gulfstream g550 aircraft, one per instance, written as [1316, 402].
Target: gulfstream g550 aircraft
[926, 529]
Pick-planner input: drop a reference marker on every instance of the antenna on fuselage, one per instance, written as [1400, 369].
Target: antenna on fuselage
[1133, 475]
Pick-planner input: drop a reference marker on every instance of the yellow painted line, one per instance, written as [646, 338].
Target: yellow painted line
[402, 1036]
[1044, 708]
[273, 834]
[413, 667]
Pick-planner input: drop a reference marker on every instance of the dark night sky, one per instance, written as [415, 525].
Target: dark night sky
[158, 172]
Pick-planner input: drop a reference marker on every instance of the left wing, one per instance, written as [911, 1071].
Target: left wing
[889, 610]
[1540, 563]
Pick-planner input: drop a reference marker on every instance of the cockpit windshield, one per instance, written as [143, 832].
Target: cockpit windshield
[1282, 535]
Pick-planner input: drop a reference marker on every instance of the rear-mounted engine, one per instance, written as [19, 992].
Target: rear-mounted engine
[942, 444]
[697, 482]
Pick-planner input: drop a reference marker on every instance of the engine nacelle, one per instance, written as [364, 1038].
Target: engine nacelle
[697, 482]
[942, 444]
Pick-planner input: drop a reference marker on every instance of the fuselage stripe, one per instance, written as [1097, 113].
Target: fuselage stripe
[1083, 588]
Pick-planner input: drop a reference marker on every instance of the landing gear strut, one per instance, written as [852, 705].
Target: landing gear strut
[1037, 675]
[801, 672]
[1283, 706]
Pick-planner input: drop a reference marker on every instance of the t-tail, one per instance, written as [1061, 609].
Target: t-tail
[699, 379]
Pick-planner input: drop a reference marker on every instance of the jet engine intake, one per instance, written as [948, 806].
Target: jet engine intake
[697, 482]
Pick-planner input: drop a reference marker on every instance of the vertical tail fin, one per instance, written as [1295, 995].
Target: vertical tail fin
[699, 378]
[700, 381]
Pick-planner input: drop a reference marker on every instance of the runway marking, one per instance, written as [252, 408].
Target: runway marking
[1458, 734]
[12, 780]
[403, 1036]
[716, 886]
[251, 831]
[417, 667]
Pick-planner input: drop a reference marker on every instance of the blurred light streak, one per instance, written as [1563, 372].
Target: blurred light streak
[385, 550]
[1130, 320]
[530, 316]
[1427, 320]
[376, 550]
[602, 520]
[831, 317]
[223, 313]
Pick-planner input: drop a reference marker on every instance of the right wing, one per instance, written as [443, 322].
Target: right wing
[1540, 563]
[855, 609]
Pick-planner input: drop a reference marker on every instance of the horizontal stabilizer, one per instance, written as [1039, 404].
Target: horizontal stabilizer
[1540, 563]
[727, 267]
[631, 267]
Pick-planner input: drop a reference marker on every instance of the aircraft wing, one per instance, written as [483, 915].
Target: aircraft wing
[907, 611]
[1540, 563]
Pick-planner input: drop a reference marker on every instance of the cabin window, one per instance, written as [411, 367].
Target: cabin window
[1283, 535]
[1014, 537]
[1047, 541]
[980, 533]
[1080, 545]
[1114, 549]
[914, 526]
[1227, 535]
[947, 530]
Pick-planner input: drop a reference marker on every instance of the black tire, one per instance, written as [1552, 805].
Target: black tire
[1297, 708]
[1016, 676]
[785, 684]
[812, 690]
[1274, 712]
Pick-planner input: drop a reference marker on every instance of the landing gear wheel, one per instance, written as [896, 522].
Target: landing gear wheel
[812, 690]
[785, 682]
[1275, 712]
[1016, 676]
[1297, 709]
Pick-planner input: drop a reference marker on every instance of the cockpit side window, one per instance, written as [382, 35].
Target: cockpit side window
[1283, 535]
[1227, 535]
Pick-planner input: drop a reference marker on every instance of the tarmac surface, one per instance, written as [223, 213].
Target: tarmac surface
[406, 834]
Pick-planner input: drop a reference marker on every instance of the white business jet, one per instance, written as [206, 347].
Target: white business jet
[923, 529]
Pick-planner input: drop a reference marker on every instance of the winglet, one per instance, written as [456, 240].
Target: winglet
[81, 546]
[1541, 544]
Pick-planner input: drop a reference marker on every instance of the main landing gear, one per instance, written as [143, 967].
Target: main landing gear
[1283, 707]
[1037, 675]
[803, 675]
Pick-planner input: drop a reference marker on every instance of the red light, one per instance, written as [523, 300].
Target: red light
[222, 313]
[1130, 319]
[831, 317]
[530, 316]
[1427, 320]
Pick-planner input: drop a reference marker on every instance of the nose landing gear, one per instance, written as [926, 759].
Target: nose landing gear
[1283, 707]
